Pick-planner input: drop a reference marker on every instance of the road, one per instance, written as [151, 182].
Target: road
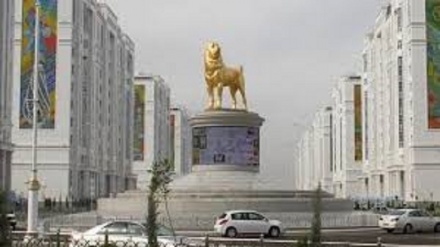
[363, 235]
[356, 235]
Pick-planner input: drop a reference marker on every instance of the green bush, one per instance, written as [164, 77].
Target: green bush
[304, 242]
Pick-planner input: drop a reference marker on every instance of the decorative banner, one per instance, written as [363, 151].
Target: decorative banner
[433, 62]
[357, 123]
[47, 58]
[172, 143]
[226, 145]
[139, 122]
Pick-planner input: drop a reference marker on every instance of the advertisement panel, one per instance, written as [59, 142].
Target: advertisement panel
[433, 62]
[139, 123]
[226, 145]
[357, 123]
[48, 38]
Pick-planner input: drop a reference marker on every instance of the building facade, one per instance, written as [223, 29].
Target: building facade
[347, 155]
[181, 140]
[151, 125]
[394, 108]
[401, 91]
[329, 151]
[86, 78]
[314, 165]
[6, 60]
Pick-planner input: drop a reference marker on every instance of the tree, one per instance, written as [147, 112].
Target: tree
[158, 188]
[5, 228]
[315, 235]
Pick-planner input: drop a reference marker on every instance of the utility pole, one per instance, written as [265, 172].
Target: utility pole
[34, 184]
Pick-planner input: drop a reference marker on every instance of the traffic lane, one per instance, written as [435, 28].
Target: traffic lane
[360, 235]
[371, 236]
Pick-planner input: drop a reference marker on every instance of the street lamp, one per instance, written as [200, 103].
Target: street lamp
[33, 183]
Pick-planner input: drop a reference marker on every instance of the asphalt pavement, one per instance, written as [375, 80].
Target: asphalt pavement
[356, 235]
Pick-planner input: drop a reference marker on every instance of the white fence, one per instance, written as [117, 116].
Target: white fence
[206, 222]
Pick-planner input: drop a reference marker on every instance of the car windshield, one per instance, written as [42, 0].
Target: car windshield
[396, 213]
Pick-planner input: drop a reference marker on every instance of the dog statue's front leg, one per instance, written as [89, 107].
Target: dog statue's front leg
[219, 100]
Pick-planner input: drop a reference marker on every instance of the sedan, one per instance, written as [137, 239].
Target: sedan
[408, 221]
[124, 233]
[246, 222]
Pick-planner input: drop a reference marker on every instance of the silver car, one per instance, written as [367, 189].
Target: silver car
[408, 221]
[247, 222]
[124, 233]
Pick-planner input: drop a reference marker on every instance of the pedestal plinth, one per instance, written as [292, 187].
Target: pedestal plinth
[226, 152]
[225, 176]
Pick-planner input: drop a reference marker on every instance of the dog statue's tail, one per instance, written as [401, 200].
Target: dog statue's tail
[242, 88]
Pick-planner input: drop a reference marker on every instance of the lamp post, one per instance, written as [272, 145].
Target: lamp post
[34, 184]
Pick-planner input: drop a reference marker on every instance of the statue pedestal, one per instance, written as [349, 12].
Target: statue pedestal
[225, 176]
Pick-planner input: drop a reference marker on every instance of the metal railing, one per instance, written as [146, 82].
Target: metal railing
[64, 240]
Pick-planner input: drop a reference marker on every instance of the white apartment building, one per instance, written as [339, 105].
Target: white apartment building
[85, 100]
[314, 152]
[330, 151]
[181, 140]
[6, 60]
[151, 141]
[402, 94]
[394, 149]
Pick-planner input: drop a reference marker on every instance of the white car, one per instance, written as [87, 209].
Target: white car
[245, 222]
[408, 221]
[124, 233]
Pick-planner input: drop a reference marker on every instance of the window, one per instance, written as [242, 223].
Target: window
[115, 228]
[135, 229]
[415, 214]
[401, 102]
[399, 19]
[239, 216]
[254, 216]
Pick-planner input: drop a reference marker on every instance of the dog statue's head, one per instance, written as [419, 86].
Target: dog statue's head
[213, 50]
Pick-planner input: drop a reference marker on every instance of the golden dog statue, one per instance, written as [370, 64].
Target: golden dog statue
[218, 76]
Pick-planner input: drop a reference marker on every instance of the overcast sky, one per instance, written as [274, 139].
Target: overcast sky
[292, 52]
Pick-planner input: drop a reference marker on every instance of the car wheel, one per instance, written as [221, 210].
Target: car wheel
[274, 232]
[407, 229]
[437, 228]
[231, 232]
[390, 230]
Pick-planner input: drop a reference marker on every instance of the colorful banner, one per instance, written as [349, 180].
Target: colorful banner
[139, 123]
[433, 62]
[226, 145]
[172, 143]
[357, 123]
[47, 59]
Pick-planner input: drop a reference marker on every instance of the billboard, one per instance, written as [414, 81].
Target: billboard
[172, 140]
[139, 123]
[48, 38]
[357, 123]
[433, 62]
[226, 145]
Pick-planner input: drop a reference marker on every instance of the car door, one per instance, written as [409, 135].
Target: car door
[414, 218]
[116, 232]
[240, 222]
[427, 222]
[136, 233]
[258, 223]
